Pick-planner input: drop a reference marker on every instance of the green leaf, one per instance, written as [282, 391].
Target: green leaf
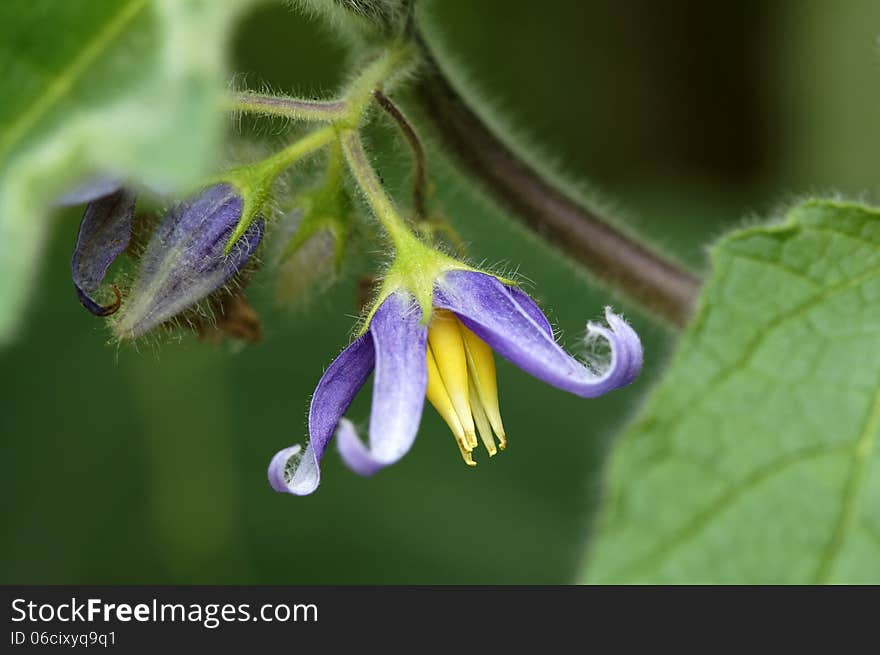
[121, 87]
[755, 459]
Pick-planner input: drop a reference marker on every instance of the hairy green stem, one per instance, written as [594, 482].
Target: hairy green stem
[371, 187]
[283, 159]
[646, 276]
[287, 107]
[383, 72]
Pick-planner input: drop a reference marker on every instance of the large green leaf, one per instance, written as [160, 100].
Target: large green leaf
[755, 460]
[125, 87]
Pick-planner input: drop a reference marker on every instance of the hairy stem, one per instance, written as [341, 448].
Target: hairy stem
[384, 71]
[287, 107]
[306, 145]
[371, 187]
[650, 278]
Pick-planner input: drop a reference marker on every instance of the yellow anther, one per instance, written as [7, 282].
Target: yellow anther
[447, 345]
[462, 386]
[483, 427]
[481, 363]
[437, 396]
[466, 455]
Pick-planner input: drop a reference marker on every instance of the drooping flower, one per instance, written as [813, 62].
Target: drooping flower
[448, 360]
[185, 260]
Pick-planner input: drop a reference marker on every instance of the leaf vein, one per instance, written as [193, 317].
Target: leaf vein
[780, 267]
[66, 78]
[862, 451]
[751, 348]
[703, 517]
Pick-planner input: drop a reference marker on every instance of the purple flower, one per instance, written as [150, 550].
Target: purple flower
[184, 261]
[103, 234]
[449, 361]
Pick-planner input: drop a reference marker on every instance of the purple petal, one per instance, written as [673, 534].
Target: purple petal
[103, 234]
[353, 451]
[297, 472]
[509, 324]
[93, 189]
[400, 340]
[529, 306]
[630, 341]
[185, 261]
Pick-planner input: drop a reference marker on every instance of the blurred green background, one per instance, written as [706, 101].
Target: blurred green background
[148, 465]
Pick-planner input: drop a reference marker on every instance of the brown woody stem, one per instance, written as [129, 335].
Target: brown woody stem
[646, 276]
[420, 165]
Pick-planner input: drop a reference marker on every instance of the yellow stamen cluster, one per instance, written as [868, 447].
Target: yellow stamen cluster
[462, 386]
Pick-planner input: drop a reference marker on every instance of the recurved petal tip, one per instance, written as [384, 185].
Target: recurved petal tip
[281, 465]
[626, 349]
[294, 471]
[631, 344]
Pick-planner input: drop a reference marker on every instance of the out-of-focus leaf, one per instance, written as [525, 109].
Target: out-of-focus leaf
[129, 88]
[756, 460]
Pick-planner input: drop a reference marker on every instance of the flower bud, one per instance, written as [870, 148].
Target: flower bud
[184, 261]
[104, 233]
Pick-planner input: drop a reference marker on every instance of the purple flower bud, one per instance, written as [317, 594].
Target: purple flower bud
[184, 261]
[104, 233]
